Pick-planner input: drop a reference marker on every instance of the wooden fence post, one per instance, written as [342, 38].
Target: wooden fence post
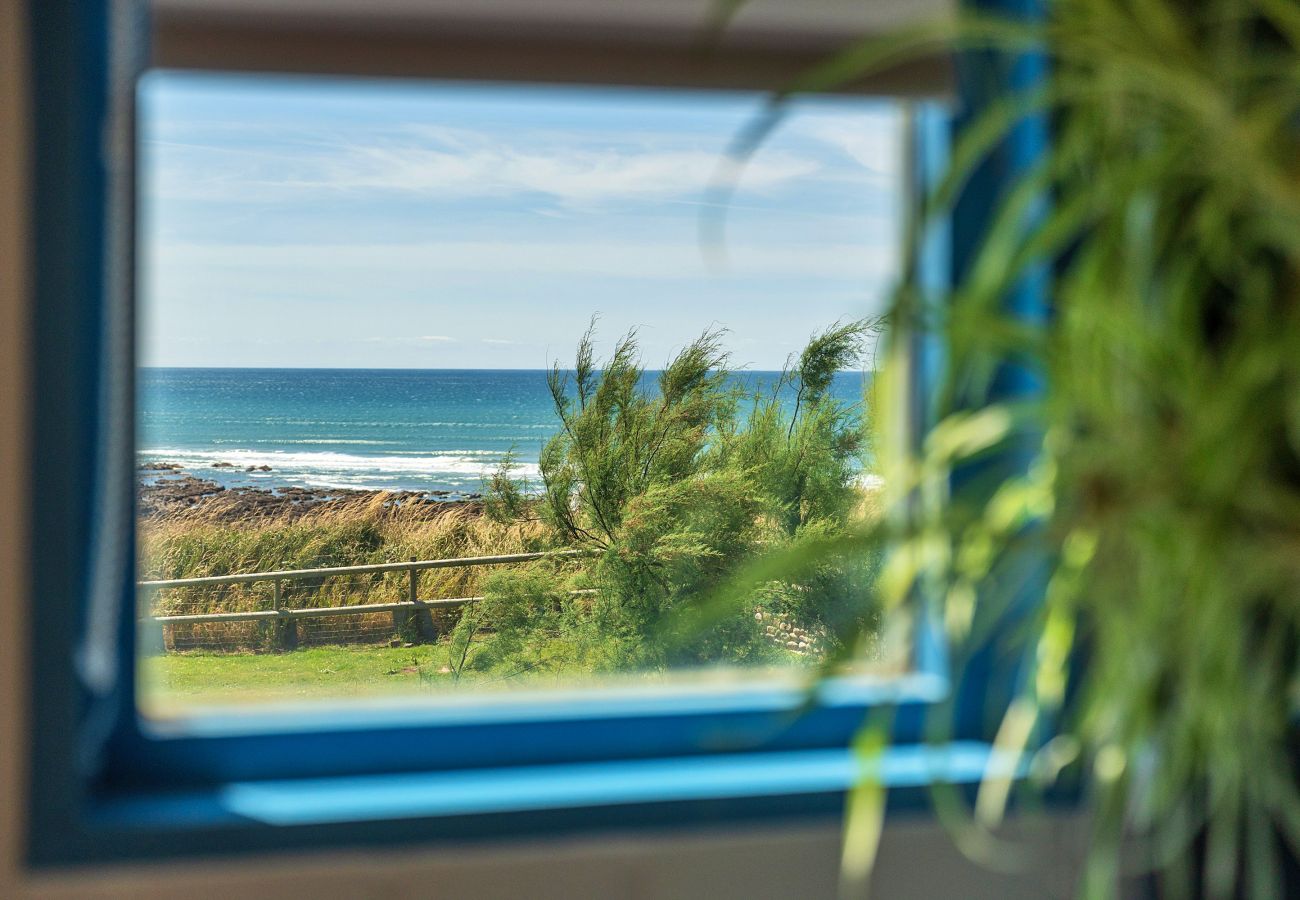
[151, 639]
[421, 621]
[404, 622]
[286, 630]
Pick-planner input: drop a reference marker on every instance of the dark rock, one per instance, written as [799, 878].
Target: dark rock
[188, 495]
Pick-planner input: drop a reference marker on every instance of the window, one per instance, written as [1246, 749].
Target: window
[360, 308]
[108, 785]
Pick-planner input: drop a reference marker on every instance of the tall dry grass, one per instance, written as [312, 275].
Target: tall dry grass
[215, 538]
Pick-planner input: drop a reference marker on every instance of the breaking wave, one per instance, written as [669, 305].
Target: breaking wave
[448, 469]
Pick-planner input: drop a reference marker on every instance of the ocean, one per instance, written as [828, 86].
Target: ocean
[375, 429]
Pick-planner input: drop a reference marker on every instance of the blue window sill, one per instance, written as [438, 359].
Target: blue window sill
[542, 729]
[596, 784]
[773, 694]
[590, 762]
[261, 816]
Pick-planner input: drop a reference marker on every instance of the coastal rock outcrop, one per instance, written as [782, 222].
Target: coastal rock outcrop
[161, 496]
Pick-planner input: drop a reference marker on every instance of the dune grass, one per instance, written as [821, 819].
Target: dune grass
[211, 541]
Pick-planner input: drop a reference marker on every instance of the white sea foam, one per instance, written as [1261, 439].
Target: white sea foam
[321, 423]
[318, 441]
[339, 469]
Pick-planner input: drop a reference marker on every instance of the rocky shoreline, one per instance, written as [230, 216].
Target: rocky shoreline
[166, 489]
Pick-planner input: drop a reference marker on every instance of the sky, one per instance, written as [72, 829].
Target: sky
[313, 222]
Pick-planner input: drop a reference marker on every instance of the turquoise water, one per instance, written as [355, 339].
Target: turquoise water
[393, 429]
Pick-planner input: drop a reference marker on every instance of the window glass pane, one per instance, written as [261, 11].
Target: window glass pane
[391, 322]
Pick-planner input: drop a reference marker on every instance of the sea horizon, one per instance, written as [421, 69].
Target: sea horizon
[649, 371]
[401, 429]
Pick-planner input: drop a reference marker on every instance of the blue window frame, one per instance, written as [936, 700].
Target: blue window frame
[104, 786]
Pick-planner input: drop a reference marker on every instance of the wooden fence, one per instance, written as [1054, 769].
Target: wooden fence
[411, 617]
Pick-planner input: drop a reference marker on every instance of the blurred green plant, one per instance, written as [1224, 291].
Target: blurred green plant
[1157, 493]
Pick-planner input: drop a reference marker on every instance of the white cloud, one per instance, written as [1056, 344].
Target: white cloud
[875, 148]
[568, 175]
[429, 338]
[461, 164]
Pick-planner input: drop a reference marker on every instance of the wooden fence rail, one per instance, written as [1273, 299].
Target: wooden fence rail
[410, 616]
[414, 565]
[308, 612]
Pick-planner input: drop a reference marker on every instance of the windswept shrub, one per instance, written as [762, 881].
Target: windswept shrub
[617, 441]
[805, 453]
[505, 498]
[530, 614]
[679, 542]
[678, 481]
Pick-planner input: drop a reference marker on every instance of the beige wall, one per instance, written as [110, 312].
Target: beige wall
[13, 288]
[917, 859]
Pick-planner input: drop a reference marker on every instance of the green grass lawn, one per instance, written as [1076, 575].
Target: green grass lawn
[175, 682]
[195, 678]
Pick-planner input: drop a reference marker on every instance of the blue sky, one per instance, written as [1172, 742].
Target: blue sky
[313, 222]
